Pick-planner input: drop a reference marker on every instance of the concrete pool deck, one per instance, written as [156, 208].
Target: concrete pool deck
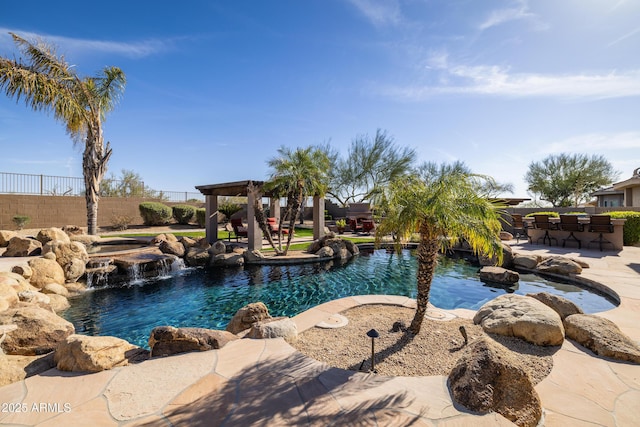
[267, 382]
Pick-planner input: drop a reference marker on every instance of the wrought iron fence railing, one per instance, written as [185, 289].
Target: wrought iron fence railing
[47, 185]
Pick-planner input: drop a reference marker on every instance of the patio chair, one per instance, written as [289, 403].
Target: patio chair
[519, 228]
[570, 223]
[239, 228]
[541, 222]
[272, 223]
[600, 224]
[367, 226]
[355, 225]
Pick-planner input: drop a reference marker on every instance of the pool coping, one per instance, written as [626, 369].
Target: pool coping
[231, 386]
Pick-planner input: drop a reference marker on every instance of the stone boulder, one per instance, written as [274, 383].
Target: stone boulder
[505, 235]
[167, 340]
[227, 260]
[35, 297]
[498, 275]
[602, 336]
[24, 270]
[559, 265]
[325, 252]
[580, 262]
[79, 353]
[522, 317]
[16, 368]
[253, 257]
[8, 294]
[39, 330]
[16, 281]
[560, 305]
[247, 316]
[196, 257]
[164, 237]
[488, 377]
[188, 242]
[6, 236]
[528, 262]
[172, 248]
[507, 258]
[48, 234]
[55, 288]
[218, 248]
[73, 230]
[45, 271]
[22, 246]
[352, 247]
[58, 302]
[71, 256]
[279, 327]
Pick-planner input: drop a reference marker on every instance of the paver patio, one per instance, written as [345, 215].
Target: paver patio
[267, 382]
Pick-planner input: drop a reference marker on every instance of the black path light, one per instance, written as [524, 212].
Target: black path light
[373, 334]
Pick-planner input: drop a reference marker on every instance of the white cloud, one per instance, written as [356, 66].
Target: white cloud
[596, 142]
[626, 36]
[493, 80]
[519, 11]
[131, 49]
[380, 13]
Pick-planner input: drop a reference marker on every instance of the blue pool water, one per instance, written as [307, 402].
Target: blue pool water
[209, 298]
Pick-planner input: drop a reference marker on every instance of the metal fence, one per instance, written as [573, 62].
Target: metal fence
[46, 185]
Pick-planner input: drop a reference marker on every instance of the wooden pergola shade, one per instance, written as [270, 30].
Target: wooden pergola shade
[241, 188]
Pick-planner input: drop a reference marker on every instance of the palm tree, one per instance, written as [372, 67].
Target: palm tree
[46, 82]
[296, 175]
[444, 205]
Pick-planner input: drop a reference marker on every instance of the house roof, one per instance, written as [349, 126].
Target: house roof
[634, 181]
[609, 191]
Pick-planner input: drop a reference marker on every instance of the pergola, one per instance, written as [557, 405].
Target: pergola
[244, 188]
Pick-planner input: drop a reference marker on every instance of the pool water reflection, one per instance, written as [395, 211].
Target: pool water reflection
[209, 298]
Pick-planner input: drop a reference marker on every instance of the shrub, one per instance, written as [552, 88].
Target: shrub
[121, 222]
[183, 213]
[228, 209]
[551, 214]
[201, 216]
[20, 221]
[155, 213]
[631, 231]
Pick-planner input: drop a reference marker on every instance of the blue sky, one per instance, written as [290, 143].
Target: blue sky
[215, 87]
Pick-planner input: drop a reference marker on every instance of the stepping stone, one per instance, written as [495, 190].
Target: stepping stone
[333, 321]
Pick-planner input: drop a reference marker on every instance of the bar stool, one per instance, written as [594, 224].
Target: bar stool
[541, 222]
[570, 223]
[519, 228]
[600, 224]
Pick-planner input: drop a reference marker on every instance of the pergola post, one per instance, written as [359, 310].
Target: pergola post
[274, 208]
[254, 233]
[211, 222]
[318, 217]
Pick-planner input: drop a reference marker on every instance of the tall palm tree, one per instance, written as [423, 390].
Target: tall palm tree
[46, 82]
[444, 205]
[297, 174]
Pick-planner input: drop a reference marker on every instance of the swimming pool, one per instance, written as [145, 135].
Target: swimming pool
[209, 298]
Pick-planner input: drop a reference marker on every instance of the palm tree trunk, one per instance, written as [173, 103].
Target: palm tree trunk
[94, 166]
[295, 208]
[427, 261]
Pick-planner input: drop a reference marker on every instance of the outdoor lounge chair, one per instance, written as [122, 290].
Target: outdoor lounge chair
[355, 225]
[570, 223]
[272, 223]
[600, 224]
[239, 228]
[367, 226]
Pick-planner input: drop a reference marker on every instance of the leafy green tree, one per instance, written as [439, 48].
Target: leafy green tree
[370, 165]
[568, 179]
[129, 184]
[444, 205]
[46, 82]
[296, 174]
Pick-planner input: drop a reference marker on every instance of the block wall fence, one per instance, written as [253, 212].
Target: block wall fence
[58, 211]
